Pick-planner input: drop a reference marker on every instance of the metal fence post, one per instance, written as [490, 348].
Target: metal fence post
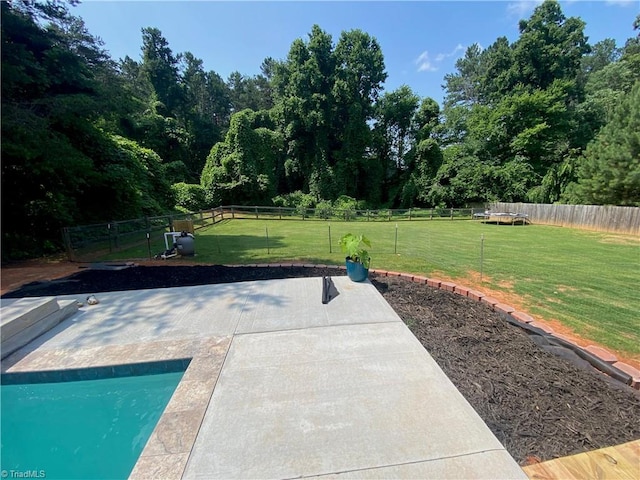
[66, 239]
[117, 237]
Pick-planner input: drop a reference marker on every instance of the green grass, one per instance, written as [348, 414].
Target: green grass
[588, 281]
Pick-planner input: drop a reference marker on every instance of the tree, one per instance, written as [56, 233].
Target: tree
[550, 47]
[63, 106]
[519, 107]
[602, 54]
[304, 99]
[247, 166]
[358, 81]
[49, 99]
[249, 92]
[161, 68]
[463, 87]
[609, 172]
[207, 106]
[394, 115]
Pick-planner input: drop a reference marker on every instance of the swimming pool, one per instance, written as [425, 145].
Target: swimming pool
[90, 423]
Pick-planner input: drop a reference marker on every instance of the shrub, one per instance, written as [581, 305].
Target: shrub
[297, 200]
[347, 206]
[189, 196]
[324, 209]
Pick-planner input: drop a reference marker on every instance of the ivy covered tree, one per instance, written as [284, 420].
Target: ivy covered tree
[246, 167]
[324, 99]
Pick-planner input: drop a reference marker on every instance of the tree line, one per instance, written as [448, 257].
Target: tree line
[87, 139]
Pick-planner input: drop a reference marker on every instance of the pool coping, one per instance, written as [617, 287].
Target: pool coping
[167, 450]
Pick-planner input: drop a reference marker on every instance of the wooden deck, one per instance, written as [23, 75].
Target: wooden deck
[621, 462]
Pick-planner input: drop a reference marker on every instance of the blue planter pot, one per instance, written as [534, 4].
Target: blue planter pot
[356, 271]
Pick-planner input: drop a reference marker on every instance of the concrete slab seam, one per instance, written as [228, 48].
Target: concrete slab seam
[311, 327]
[414, 462]
[522, 317]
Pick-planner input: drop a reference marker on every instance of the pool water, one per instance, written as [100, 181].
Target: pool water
[81, 429]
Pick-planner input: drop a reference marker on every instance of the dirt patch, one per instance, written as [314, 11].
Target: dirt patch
[621, 239]
[536, 403]
[485, 285]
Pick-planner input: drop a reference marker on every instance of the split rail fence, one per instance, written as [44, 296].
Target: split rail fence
[87, 241]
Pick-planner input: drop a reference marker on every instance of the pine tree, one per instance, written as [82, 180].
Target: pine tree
[610, 169]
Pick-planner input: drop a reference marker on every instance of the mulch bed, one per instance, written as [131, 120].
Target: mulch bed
[540, 406]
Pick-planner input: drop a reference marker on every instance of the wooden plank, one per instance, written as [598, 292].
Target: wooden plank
[550, 470]
[621, 462]
[605, 218]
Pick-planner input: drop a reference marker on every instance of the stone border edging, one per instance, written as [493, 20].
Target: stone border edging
[598, 357]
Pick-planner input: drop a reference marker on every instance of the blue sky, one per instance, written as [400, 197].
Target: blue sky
[420, 40]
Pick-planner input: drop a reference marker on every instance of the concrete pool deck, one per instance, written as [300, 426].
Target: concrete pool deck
[280, 385]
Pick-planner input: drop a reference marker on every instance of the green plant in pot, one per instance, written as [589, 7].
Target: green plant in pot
[358, 258]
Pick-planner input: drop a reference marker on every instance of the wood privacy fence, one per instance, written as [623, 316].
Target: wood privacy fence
[603, 218]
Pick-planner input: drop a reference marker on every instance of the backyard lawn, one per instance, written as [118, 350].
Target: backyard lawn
[586, 280]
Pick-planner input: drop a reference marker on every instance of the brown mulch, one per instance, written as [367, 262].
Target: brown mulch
[536, 403]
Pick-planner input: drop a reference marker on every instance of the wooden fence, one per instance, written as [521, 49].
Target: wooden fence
[602, 218]
[86, 241]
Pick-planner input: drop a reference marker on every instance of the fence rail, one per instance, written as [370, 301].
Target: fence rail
[603, 218]
[87, 241]
[300, 213]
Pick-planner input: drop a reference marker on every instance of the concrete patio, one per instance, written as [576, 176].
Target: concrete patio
[280, 385]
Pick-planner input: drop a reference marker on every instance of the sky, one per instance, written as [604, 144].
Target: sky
[420, 40]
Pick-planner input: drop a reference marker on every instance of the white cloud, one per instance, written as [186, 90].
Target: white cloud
[441, 56]
[425, 64]
[522, 8]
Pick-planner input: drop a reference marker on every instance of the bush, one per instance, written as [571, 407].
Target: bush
[324, 209]
[347, 206]
[190, 197]
[297, 200]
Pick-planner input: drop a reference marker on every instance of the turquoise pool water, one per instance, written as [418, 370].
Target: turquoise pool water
[81, 429]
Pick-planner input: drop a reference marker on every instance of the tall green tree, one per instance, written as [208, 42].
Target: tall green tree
[247, 167]
[609, 171]
[517, 107]
[161, 68]
[359, 75]
[550, 47]
[304, 99]
[59, 100]
[394, 120]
